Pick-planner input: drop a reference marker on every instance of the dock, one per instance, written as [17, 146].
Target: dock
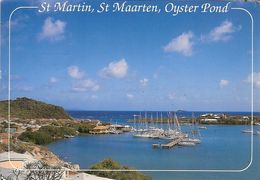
[156, 145]
[172, 143]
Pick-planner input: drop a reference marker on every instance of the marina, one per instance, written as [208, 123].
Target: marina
[172, 132]
[219, 146]
[162, 141]
[172, 143]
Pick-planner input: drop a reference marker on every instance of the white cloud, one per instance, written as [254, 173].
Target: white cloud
[223, 83]
[93, 97]
[144, 82]
[222, 32]
[82, 84]
[172, 96]
[52, 30]
[86, 85]
[24, 88]
[256, 77]
[129, 96]
[19, 21]
[16, 24]
[182, 44]
[75, 72]
[116, 69]
[53, 80]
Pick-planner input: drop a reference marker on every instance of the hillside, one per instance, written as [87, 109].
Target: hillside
[25, 108]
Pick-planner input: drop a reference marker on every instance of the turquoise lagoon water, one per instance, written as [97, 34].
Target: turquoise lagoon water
[222, 147]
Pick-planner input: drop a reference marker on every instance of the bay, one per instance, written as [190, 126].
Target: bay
[222, 147]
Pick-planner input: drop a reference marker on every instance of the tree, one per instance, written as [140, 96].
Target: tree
[41, 170]
[109, 164]
[37, 171]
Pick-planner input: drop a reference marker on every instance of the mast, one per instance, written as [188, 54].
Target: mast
[168, 121]
[135, 122]
[177, 121]
[161, 121]
[152, 123]
[157, 119]
[145, 120]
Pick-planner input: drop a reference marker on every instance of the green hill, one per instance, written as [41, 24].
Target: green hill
[25, 108]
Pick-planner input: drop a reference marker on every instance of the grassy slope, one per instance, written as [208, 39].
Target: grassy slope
[25, 108]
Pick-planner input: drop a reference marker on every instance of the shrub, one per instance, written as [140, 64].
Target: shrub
[85, 128]
[38, 137]
[110, 164]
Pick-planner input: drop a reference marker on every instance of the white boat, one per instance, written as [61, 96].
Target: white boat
[202, 127]
[115, 132]
[186, 144]
[194, 135]
[142, 135]
[247, 131]
[193, 140]
[257, 133]
[68, 136]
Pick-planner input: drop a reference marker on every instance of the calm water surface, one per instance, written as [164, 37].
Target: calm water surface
[222, 147]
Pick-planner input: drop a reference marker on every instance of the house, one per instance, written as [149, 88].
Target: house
[208, 120]
[11, 130]
[100, 129]
[4, 138]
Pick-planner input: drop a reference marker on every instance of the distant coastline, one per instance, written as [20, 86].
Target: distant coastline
[226, 118]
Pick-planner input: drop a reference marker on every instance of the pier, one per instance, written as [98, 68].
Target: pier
[170, 144]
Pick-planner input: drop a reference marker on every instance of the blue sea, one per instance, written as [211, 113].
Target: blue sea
[222, 147]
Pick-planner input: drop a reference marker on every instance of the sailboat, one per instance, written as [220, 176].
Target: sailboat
[142, 132]
[257, 133]
[173, 133]
[202, 127]
[184, 143]
[194, 133]
[247, 131]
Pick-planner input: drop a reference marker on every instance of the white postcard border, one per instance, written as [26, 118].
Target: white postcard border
[141, 170]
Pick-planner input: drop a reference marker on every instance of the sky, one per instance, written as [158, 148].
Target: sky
[116, 61]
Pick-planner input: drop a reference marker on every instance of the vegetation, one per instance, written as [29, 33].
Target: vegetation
[25, 108]
[229, 120]
[82, 127]
[57, 132]
[16, 147]
[37, 137]
[109, 164]
[43, 172]
[46, 134]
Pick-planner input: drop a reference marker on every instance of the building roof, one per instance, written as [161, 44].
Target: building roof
[16, 157]
[84, 176]
[3, 135]
[101, 128]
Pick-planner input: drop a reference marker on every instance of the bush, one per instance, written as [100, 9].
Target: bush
[46, 134]
[38, 137]
[58, 132]
[109, 164]
[85, 128]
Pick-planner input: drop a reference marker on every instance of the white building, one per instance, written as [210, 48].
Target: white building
[209, 120]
